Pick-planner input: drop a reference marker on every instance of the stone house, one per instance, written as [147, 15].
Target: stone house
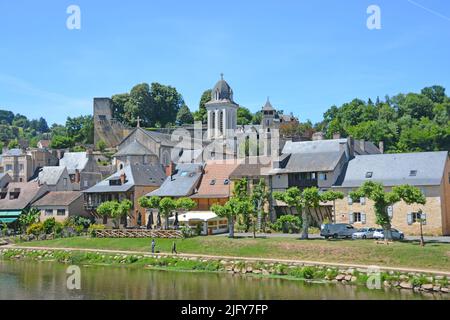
[17, 197]
[22, 165]
[131, 182]
[215, 185]
[83, 169]
[61, 205]
[429, 171]
[56, 178]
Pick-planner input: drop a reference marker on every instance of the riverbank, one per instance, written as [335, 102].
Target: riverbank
[290, 270]
[403, 255]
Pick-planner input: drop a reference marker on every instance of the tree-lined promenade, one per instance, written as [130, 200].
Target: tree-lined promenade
[436, 256]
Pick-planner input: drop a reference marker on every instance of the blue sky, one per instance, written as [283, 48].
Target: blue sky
[306, 55]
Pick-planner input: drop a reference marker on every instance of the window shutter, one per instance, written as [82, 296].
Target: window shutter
[351, 218]
[424, 217]
[363, 218]
[390, 211]
[410, 218]
[362, 200]
[350, 200]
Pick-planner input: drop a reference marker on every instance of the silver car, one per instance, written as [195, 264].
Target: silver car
[364, 233]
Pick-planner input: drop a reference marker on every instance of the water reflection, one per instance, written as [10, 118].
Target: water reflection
[41, 280]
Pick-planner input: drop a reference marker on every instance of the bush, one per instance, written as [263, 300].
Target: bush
[186, 231]
[287, 224]
[49, 225]
[95, 227]
[35, 229]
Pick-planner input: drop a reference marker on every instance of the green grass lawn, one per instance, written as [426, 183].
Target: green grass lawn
[400, 254]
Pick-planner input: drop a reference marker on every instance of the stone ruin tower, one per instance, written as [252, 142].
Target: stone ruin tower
[106, 128]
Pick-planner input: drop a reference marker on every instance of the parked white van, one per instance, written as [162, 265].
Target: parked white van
[338, 230]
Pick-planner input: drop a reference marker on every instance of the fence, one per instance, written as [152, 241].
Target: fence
[118, 233]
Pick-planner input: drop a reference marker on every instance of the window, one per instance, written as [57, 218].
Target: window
[415, 217]
[212, 182]
[369, 175]
[65, 182]
[48, 212]
[61, 212]
[413, 173]
[226, 182]
[323, 176]
[357, 217]
[9, 167]
[86, 183]
[21, 167]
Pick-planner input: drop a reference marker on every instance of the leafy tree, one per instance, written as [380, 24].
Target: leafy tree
[232, 209]
[20, 121]
[166, 103]
[115, 210]
[201, 114]
[259, 196]
[435, 93]
[305, 201]
[28, 217]
[13, 144]
[6, 117]
[244, 116]
[184, 116]
[288, 224]
[257, 118]
[61, 142]
[101, 145]
[166, 206]
[80, 129]
[417, 106]
[383, 199]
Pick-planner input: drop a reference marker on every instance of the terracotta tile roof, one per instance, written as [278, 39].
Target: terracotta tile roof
[216, 179]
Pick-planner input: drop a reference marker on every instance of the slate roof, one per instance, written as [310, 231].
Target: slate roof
[318, 146]
[183, 183]
[134, 149]
[252, 167]
[51, 175]
[268, 106]
[419, 169]
[74, 161]
[29, 192]
[58, 198]
[311, 162]
[136, 175]
[216, 179]
[13, 152]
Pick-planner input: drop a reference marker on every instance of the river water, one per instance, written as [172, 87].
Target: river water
[47, 280]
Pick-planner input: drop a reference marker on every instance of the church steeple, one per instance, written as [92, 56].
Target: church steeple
[222, 110]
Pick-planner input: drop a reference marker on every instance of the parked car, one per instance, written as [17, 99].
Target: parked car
[337, 230]
[396, 234]
[364, 233]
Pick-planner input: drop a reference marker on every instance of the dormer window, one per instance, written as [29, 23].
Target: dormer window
[226, 182]
[369, 175]
[14, 194]
[115, 182]
[413, 173]
[212, 182]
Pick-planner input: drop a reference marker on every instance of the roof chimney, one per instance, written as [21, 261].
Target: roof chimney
[318, 136]
[123, 178]
[170, 169]
[77, 176]
[381, 146]
[336, 136]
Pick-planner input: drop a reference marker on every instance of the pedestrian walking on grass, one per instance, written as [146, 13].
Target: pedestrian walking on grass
[174, 248]
[153, 246]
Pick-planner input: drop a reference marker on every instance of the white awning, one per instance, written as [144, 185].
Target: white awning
[196, 215]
